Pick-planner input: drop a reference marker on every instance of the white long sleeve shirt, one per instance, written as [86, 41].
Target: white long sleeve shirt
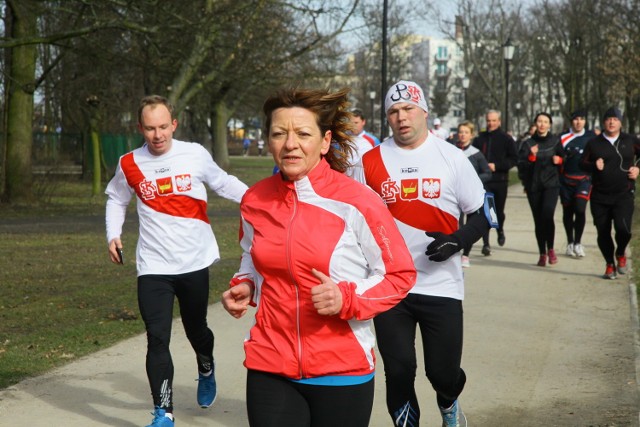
[175, 233]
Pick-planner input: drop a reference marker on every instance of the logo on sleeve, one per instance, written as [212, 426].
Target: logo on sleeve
[431, 188]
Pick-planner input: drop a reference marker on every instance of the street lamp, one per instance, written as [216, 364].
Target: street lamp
[383, 68]
[372, 97]
[465, 86]
[507, 54]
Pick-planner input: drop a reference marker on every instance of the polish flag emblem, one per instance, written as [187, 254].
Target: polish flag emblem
[431, 188]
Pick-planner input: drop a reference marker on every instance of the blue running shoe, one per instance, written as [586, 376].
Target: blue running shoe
[453, 417]
[160, 419]
[207, 390]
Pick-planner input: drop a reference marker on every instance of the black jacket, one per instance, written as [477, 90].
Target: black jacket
[499, 148]
[539, 173]
[613, 180]
[478, 162]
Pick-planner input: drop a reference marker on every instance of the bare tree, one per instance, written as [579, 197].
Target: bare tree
[620, 64]
[365, 41]
[570, 54]
[210, 58]
[564, 52]
[486, 27]
[21, 21]
[22, 36]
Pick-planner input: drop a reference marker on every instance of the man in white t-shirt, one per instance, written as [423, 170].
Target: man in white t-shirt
[175, 247]
[359, 122]
[427, 183]
[361, 144]
[438, 130]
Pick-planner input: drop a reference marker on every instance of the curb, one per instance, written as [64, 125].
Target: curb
[635, 324]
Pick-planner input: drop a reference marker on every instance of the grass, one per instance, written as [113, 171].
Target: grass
[61, 296]
[635, 243]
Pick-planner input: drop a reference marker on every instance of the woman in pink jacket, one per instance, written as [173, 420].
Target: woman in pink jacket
[322, 257]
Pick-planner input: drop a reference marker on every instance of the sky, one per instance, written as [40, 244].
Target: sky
[417, 24]
[447, 10]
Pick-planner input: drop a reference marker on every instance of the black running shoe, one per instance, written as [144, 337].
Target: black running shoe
[486, 250]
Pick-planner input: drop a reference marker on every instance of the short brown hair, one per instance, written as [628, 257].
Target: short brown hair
[330, 109]
[356, 112]
[154, 100]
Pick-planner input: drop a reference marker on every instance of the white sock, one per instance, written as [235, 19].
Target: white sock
[207, 374]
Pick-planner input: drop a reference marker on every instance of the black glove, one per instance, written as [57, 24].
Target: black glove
[443, 246]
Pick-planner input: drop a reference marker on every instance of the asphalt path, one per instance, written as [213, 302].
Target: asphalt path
[553, 346]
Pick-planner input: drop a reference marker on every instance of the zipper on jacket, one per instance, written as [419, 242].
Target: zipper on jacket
[293, 281]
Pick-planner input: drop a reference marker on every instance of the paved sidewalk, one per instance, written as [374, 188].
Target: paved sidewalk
[552, 346]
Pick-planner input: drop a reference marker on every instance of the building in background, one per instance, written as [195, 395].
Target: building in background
[456, 91]
[442, 73]
[436, 64]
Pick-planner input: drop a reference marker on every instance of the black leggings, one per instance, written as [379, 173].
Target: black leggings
[499, 190]
[574, 195]
[543, 206]
[574, 219]
[155, 300]
[275, 401]
[620, 212]
[441, 327]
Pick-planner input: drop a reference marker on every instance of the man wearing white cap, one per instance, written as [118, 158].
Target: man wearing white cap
[438, 130]
[427, 184]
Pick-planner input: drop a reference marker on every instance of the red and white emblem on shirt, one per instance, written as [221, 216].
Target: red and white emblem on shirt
[389, 191]
[183, 182]
[165, 186]
[431, 188]
[409, 189]
[147, 190]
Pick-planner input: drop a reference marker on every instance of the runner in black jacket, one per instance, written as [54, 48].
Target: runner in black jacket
[611, 159]
[500, 151]
[539, 161]
[575, 184]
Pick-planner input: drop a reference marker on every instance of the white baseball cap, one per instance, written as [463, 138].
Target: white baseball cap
[436, 122]
[405, 91]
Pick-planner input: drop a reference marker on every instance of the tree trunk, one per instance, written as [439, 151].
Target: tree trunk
[219, 143]
[8, 25]
[93, 103]
[95, 144]
[18, 176]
